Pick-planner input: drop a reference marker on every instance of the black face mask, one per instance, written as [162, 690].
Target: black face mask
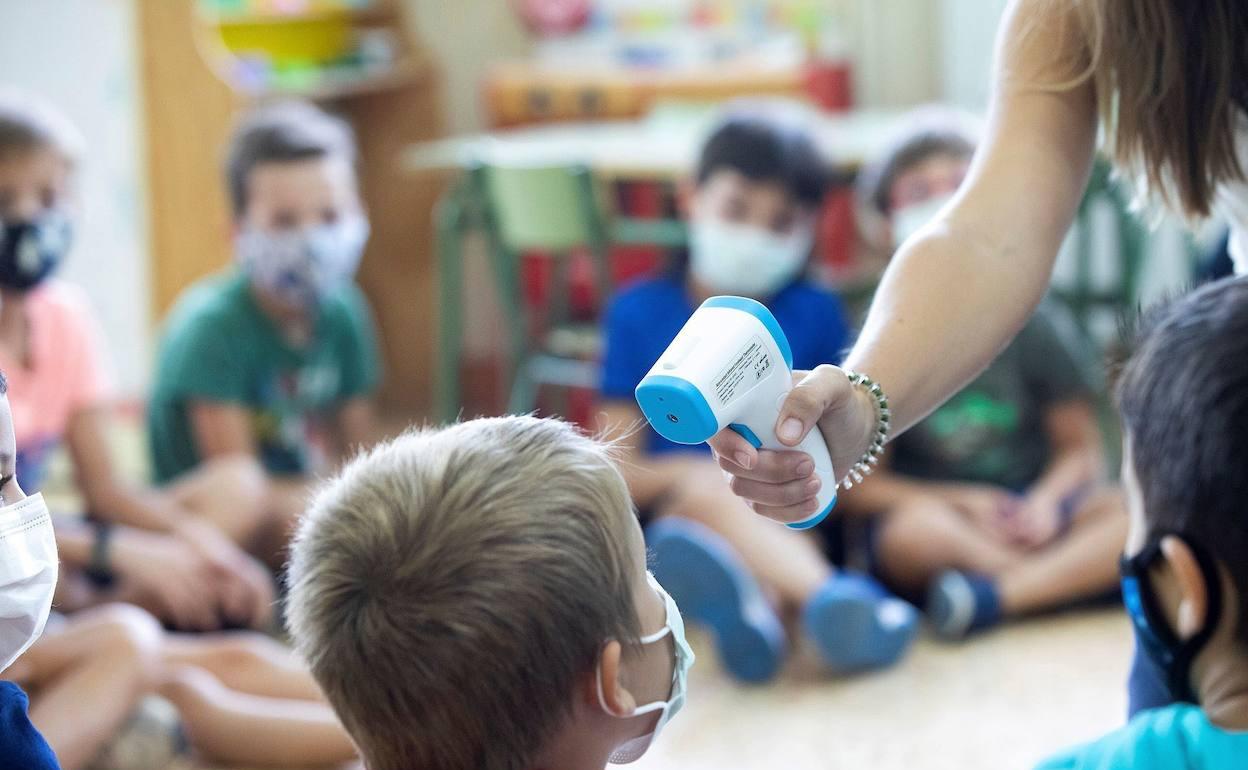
[1156, 639]
[31, 251]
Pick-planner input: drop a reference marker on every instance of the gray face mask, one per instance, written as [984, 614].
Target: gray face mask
[302, 267]
[633, 749]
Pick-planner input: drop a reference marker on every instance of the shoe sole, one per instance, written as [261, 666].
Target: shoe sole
[712, 589]
[855, 633]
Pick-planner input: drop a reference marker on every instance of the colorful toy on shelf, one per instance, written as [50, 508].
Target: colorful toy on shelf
[301, 46]
[549, 18]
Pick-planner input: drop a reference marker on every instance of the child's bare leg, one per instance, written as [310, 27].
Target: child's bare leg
[87, 678]
[231, 727]
[1080, 565]
[786, 563]
[246, 662]
[921, 538]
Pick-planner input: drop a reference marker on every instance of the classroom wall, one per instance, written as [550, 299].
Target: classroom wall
[91, 73]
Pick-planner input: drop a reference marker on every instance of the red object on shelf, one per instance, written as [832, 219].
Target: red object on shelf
[830, 84]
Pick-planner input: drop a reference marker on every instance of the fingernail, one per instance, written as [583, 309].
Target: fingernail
[791, 429]
[813, 485]
[805, 468]
[744, 459]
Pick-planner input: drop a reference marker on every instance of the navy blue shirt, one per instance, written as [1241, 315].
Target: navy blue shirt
[644, 318]
[21, 745]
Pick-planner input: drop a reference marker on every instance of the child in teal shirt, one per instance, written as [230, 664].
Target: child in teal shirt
[1184, 401]
[276, 359]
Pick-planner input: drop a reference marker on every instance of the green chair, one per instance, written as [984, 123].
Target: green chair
[553, 210]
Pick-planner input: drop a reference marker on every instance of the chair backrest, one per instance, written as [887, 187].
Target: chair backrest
[542, 208]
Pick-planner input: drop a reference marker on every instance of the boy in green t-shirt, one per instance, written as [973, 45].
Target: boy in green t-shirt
[275, 359]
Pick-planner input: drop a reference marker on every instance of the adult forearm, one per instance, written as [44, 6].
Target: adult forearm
[947, 306]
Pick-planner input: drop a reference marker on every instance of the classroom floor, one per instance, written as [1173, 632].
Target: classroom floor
[1006, 700]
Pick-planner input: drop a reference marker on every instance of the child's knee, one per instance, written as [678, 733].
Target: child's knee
[914, 524]
[127, 635]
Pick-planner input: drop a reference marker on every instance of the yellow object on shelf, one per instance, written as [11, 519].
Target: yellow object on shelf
[321, 37]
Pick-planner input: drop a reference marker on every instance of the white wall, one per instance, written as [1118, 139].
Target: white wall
[82, 56]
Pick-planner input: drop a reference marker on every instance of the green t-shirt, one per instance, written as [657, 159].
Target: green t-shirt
[993, 431]
[1178, 737]
[219, 346]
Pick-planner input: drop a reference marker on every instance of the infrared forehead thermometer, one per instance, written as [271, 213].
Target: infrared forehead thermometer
[730, 367]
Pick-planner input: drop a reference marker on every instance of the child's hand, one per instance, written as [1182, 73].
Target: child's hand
[179, 584]
[245, 584]
[1037, 521]
[988, 507]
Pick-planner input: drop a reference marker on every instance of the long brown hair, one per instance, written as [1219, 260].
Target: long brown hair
[1171, 78]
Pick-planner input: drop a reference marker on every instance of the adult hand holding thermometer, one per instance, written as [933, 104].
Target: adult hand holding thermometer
[730, 367]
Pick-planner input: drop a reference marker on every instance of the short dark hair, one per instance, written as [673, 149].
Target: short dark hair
[30, 123]
[926, 132]
[765, 148]
[282, 132]
[1183, 395]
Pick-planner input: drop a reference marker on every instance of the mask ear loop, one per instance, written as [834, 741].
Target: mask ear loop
[1187, 651]
[639, 710]
[1182, 653]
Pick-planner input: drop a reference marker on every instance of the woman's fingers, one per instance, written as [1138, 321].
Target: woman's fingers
[817, 392]
[770, 467]
[790, 493]
[788, 513]
[728, 444]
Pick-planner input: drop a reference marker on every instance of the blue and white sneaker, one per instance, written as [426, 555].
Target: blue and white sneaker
[960, 603]
[857, 625]
[712, 586]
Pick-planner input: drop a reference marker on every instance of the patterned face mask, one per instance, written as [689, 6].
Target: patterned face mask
[302, 267]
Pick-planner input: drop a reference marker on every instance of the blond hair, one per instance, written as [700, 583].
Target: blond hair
[449, 588]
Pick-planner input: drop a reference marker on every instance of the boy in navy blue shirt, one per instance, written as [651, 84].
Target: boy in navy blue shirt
[752, 211]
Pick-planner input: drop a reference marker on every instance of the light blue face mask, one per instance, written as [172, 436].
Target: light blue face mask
[633, 749]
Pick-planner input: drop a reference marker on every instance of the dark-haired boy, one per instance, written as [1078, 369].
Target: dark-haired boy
[1183, 397]
[752, 207]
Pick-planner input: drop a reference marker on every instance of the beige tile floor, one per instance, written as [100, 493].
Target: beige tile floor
[1005, 700]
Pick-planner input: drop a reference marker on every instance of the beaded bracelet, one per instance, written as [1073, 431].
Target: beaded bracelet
[871, 457]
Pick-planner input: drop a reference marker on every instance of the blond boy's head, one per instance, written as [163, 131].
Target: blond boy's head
[453, 589]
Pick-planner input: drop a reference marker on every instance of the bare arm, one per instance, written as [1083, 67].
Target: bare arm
[963, 286]
[1078, 454]
[955, 295]
[106, 493]
[221, 429]
[355, 427]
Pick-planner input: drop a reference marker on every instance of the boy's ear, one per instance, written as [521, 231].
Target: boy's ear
[1193, 606]
[616, 699]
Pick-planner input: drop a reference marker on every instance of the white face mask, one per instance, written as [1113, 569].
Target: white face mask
[909, 219]
[740, 259]
[302, 267]
[633, 749]
[28, 569]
